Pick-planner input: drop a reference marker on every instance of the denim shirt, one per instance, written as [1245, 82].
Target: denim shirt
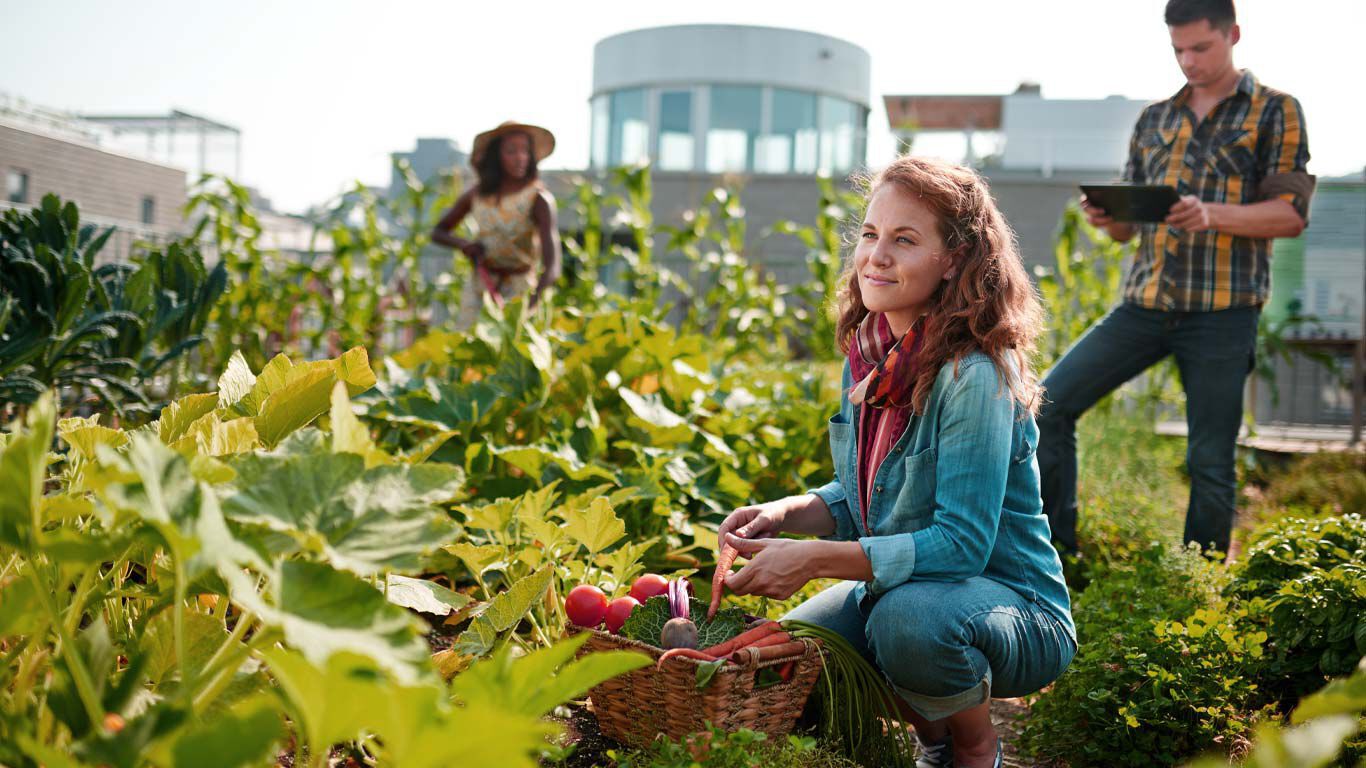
[957, 496]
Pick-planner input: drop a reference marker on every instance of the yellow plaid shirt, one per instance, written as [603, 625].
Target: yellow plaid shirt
[1250, 147]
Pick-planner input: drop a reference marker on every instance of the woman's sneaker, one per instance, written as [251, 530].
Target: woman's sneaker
[937, 755]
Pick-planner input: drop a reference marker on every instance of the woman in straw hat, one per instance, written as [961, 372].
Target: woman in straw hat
[513, 216]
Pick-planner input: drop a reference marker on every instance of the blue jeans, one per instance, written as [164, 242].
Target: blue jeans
[1214, 353]
[947, 646]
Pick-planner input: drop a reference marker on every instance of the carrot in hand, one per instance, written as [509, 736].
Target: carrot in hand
[718, 581]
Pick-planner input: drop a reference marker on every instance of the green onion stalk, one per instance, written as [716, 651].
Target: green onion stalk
[858, 708]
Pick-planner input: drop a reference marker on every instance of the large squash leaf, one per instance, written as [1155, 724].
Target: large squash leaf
[323, 611]
[358, 519]
[154, 483]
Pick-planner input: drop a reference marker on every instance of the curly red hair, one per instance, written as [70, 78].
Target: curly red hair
[989, 304]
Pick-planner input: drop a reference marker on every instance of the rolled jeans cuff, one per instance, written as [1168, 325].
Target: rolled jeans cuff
[934, 708]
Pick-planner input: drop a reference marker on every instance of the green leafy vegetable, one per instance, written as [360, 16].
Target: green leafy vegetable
[646, 622]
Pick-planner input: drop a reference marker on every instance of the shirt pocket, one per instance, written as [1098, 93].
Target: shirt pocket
[1234, 154]
[916, 500]
[841, 432]
[1156, 146]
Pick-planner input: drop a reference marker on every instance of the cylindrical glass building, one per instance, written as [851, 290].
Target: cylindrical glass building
[730, 99]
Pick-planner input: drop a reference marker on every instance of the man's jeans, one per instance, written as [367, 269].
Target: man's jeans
[1214, 353]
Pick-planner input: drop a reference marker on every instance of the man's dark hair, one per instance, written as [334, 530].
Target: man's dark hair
[1219, 13]
[490, 167]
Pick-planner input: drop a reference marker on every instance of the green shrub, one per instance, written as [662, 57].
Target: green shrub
[1331, 482]
[1145, 689]
[715, 748]
[1304, 581]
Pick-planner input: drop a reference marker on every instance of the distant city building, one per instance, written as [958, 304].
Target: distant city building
[1036, 134]
[46, 151]
[191, 142]
[430, 159]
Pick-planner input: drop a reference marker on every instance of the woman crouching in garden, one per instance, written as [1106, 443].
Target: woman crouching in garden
[514, 220]
[934, 517]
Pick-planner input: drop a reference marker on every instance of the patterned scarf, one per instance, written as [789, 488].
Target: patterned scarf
[884, 366]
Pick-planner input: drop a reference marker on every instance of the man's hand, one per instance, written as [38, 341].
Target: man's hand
[1098, 218]
[1095, 215]
[777, 567]
[1191, 214]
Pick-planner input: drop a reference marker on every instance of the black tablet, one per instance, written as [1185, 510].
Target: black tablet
[1132, 202]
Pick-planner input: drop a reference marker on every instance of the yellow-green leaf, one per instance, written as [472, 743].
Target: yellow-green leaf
[349, 435]
[237, 380]
[84, 434]
[353, 368]
[294, 405]
[177, 418]
[596, 527]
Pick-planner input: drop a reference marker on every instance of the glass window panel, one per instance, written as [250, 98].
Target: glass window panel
[734, 129]
[839, 131]
[792, 145]
[148, 209]
[630, 133]
[675, 131]
[601, 131]
[775, 154]
[16, 186]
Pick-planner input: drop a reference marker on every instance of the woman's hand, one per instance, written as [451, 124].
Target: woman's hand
[777, 567]
[473, 249]
[757, 521]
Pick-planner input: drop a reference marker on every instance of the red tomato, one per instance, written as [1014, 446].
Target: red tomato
[618, 610]
[586, 605]
[648, 586]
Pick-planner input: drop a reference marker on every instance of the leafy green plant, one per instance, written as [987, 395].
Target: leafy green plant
[1320, 727]
[105, 330]
[1305, 579]
[825, 241]
[1161, 673]
[715, 748]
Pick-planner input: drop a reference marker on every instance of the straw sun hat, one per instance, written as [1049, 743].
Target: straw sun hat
[542, 141]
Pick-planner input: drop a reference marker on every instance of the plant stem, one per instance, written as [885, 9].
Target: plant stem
[181, 587]
[85, 688]
[220, 678]
[244, 623]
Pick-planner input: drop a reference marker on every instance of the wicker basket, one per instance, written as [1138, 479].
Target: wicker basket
[635, 708]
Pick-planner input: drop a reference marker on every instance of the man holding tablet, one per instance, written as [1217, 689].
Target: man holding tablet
[1234, 151]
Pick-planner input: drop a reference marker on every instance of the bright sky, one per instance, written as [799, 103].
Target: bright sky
[324, 91]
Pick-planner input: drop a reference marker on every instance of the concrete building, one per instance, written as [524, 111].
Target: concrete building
[45, 151]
